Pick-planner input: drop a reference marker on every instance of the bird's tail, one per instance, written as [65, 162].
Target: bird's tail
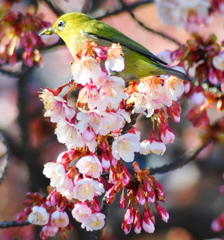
[175, 73]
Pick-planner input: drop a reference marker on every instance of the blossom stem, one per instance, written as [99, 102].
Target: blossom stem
[184, 160]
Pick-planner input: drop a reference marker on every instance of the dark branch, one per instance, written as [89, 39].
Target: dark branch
[11, 73]
[54, 8]
[5, 157]
[124, 8]
[127, 125]
[188, 157]
[13, 224]
[154, 31]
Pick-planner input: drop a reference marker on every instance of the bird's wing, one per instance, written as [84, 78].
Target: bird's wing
[105, 32]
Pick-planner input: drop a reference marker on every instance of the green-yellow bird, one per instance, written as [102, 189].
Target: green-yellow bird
[75, 28]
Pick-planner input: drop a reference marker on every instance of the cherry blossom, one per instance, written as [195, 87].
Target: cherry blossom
[125, 146]
[38, 216]
[90, 166]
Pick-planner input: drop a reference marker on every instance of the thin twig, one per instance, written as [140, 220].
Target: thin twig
[154, 31]
[178, 163]
[13, 224]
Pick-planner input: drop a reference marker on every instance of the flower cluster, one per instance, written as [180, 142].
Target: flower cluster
[217, 6]
[99, 136]
[18, 31]
[188, 14]
[203, 61]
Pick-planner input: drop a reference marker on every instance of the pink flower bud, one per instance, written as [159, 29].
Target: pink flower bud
[126, 227]
[53, 198]
[137, 223]
[129, 215]
[105, 162]
[95, 205]
[135, 167]
[148, 225]
[113, 175]
[140, 196]
[150, 197]
[125, 178]
[111, 194]
[160, 195]
[218, 223]
[163, 214]
[174, 111]
[123, 201]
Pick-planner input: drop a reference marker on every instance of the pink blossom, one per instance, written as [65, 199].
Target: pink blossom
[60, 219]
[218, 61]
[111, 93]
[188, 14]
[152, 146]
[212, 77]
[89, 139]
[124, 147]
[86, 189]
[54, 171]
[102, 123]
[39, 216]
[94, 222]
[142, 102]
[165, 56]
[174, 87]
[90, 119]
[111, 121]
[89, 95]
[114, 62]
[90, 165]
[56, 107]
[68, 134]
[66, 188]
[85, 70]
[81, 212]
[198, 98]
[62, 157]
[49, 231]
[167, 136]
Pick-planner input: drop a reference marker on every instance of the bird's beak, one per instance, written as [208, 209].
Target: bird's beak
[48, 31]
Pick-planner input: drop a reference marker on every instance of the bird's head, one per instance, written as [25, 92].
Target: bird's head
[66, 25]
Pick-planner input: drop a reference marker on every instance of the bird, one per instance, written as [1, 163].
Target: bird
[75, 28]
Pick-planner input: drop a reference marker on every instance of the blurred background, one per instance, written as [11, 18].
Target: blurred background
[192, 192]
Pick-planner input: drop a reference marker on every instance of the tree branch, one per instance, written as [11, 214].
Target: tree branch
[188, 157]
[13, 224]
[5, 157]
[124, 8]
[163, 35]
[53, 8]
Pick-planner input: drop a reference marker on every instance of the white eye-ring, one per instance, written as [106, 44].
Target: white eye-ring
[61, 25]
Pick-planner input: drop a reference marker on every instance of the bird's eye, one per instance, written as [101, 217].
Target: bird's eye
[61, 25]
